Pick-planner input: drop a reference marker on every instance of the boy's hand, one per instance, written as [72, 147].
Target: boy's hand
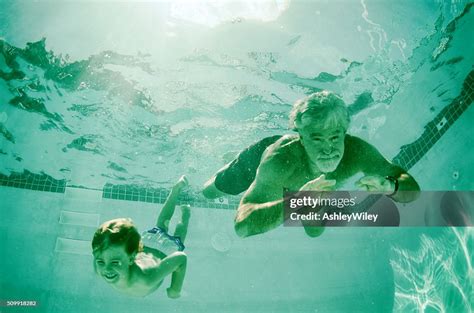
[173, 294]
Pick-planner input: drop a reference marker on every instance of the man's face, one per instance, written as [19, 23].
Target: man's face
[113, 264]
[324, 146]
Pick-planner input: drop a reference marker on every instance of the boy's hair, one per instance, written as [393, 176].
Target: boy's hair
[324, 107]
[120, 231]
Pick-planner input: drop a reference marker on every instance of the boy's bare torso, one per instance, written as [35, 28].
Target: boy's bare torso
[140, 283]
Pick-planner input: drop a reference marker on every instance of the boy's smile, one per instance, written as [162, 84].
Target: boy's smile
[110, 277]
[113, 264]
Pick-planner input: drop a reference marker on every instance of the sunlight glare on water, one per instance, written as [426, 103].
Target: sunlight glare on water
[438, 276]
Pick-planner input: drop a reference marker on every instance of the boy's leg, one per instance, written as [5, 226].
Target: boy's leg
[168, 208]
[182, 227]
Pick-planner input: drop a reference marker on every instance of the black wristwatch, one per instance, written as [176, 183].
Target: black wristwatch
[395, 181]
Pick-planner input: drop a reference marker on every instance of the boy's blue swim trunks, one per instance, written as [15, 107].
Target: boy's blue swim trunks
[157, 238]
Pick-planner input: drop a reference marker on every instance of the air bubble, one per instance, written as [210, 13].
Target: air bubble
[221, 242]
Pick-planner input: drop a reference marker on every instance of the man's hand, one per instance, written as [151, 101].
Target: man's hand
[319, 184]
[375, 183]
[172, 293]
[315, 229]
[254, 219]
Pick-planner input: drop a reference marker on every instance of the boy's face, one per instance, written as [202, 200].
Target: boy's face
[113, 264]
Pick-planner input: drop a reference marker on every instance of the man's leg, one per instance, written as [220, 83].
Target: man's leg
[168, 208]
[210, 190]
[182, 227]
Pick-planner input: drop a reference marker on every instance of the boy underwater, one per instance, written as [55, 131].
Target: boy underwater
[137, 264]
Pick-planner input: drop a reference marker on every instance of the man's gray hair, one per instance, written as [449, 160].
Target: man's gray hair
[323, 107]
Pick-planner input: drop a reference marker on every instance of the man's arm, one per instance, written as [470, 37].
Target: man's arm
[377, 169]
[261, 207]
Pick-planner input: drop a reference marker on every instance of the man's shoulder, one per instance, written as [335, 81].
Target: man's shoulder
[287, 144]
[362, 155]
[354, 140]
[287, 147]
[356, 144]
[282, 156]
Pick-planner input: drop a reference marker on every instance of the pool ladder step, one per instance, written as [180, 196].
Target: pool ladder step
[75, 232]
[79, 218]
[66, 245]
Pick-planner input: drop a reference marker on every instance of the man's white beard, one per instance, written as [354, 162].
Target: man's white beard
[327, 166]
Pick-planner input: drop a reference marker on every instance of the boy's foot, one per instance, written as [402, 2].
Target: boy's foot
[185, 212]
[181, 183]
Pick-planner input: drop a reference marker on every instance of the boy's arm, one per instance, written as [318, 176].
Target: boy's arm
[174, 264]
[177, 278]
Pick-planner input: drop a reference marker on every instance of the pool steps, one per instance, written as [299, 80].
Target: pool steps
[78, 223]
